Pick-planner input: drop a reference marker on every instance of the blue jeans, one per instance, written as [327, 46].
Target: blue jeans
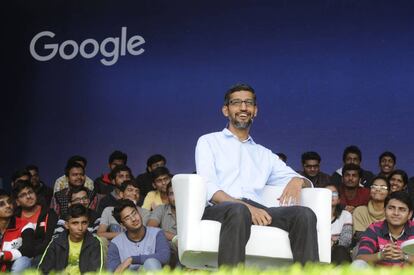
[152, 264]
[21, 264]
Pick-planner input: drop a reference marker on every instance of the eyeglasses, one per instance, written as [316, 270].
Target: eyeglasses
[379, 187]
[83, 199]
[131, 215]
[335, 194]
[26, 194]
[239, 102]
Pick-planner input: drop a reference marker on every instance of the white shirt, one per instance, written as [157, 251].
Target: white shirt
[241, 169]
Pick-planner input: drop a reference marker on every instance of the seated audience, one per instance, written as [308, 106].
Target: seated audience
[352, 154]
[75, 250]
[44, 193]
[365, 215]
[352, 195]
[381, 242]
[387, 161]
[311, 162]
[62, 182]
[138, 247]
[164, 217]
[16, 240]
[109, 228]
[160, 179]
[341, 229]
[76, 178]
[118, 175]
[42, 217]
[104, 184]
[145, 180]
[79, 195]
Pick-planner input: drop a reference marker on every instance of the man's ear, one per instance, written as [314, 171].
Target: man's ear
[225, 110]
[255, 112]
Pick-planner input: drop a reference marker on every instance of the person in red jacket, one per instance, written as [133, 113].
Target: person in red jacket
[16, 237]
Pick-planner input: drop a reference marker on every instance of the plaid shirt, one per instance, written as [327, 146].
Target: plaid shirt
[60, 202]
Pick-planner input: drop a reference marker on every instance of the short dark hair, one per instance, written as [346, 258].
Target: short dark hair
[122, 204]
[400, 196]
[311, 155]
[76, 190]
[159, 171]
[76, 211]
[352, 167]
[117, 155]
[352, 149]
[4, 193]
[282, 156]
[387, 154]
[402, 173]
[32, 167]
[384, 179]
[127, 183]
[20, 173]
[77, 158]
[118, 169]
[155, 158]
[19, 186]
[71, 165]
[237, 88]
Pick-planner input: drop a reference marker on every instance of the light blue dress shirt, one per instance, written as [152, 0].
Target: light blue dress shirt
[241, 169]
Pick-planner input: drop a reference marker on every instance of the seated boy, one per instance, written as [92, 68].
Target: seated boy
[75, 250]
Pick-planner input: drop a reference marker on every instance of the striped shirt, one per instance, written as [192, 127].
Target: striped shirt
[377, 236]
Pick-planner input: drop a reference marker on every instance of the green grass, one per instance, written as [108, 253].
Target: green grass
[311, 269]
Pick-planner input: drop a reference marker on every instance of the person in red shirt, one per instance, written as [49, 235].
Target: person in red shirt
[352, 195]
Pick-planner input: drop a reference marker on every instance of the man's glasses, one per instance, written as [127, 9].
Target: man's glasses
[335, 194]
[379, 187]
[83, 199]
[131, 215]
[25, 194]
[239, 102]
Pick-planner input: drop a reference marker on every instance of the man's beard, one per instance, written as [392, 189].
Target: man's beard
[240, 124]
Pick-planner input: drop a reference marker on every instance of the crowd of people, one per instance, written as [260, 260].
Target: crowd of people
[118, 221]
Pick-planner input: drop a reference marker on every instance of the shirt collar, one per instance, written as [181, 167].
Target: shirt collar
[228, 133]
[386, 231]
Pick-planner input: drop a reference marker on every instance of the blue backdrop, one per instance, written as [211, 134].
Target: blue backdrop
[327, 73]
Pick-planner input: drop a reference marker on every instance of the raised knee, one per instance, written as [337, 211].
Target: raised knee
[239, 211]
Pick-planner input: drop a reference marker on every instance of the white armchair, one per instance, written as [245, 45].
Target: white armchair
[198, 239]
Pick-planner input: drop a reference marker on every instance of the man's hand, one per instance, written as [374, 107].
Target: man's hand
[291, 193]
[124, 265]
[259, 216]
[350, 208]
[392, 252]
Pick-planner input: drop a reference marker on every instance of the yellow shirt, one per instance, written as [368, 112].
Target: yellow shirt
[152, 200]
[74, 255]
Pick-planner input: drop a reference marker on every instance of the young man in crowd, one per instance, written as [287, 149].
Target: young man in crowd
[118, 175]
[145, 180]
[387, 162]
[161, 177]
[75, 250]
[311, 163]
[75, 173]
[164, 217]
[17, 237]
[352, 154]
[381, 242]
[22, 174]
[62, 182]
[44, 193]
[352, 195]
[104, 184]
[138, 247]
[42, 217]
[109, 228]
[79, 195]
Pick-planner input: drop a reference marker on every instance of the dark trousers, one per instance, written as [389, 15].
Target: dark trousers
[236, 221]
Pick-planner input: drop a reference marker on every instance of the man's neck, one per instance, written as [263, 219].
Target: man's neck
[28, 212]
[395, 230]
[136, 235]
[4, 223]
[350, 192]
[241, 134]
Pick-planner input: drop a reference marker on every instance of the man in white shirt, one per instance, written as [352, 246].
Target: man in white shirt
[236, 170]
